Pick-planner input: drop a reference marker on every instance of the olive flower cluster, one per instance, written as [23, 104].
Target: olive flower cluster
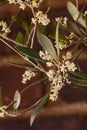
[28, 74]
[41, 18]
[24, 3]
[58, 77]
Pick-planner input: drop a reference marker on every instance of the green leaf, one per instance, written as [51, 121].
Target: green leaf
[17, 19]
[76, 56]
[62, 37]
[1, 101]
[51, 33]
[79, 75]
[73, 27]
[82, 75]
[79, 83]
[29, 52]
[46, 44]
[41, 28]
[17, 100]
[38, 108]
[79, 79]
[23, 66]
[75, 13]
[20, 38]
[24, 24]
[26, 37]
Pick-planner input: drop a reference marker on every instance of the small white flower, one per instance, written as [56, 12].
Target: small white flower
[85, 13]
[35, 3]
[45, 56]
[20, 2]
[22, 6]
[62, 20]
[62, 45]
[11, 1]
[53, 95]
[68, 55]
[49, 64]
[27, 76]
[59, 19]
[50, 74]
[4, 29]
[62, 68]
[41, 18]
[65, 21]
[34, 21]
[3, 111]
[70, 66]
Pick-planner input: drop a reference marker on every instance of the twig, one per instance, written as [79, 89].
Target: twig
[10, 40]
[30, 62]
[33, 36]
[29, 36]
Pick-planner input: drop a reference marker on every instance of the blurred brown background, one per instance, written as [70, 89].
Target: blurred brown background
[69, 113]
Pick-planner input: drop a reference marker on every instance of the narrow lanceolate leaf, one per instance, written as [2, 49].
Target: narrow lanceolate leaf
[79, 79]
[38, 108]
[57, 38]
[1, 101]
[23, 66]
[73, 27]
[25, 25]
[46, 44]
[17, 100]
[79, 83]
[79, 75]
[75, 14]
[51, 33]
[20, 38]
[29, 52]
